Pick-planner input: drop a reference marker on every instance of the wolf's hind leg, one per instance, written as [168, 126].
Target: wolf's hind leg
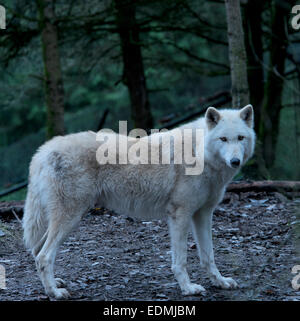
[61, 224]
[202, 228]
[179, 226]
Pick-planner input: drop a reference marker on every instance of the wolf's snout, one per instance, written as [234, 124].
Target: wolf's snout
[235, 162]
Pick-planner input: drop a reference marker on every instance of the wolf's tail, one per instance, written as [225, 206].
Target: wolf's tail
[34, 223]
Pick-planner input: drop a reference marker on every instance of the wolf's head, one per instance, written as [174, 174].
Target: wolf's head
[230, 136]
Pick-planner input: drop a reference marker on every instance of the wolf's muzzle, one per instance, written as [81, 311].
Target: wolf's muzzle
[235, 162]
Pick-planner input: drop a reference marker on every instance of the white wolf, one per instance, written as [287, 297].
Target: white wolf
[66, 180]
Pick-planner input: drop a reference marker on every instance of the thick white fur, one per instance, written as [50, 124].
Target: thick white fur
[66, 180]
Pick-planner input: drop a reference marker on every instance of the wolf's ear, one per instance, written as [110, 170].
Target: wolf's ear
[212, 117]
[247, 115]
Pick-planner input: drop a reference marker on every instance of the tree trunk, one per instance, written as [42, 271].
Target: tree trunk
[237, 54]
[133, 72]
[254, 49]
[53, 76]
[269, 125]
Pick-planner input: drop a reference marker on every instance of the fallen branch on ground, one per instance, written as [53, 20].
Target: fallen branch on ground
[15, 208]
[264, 186]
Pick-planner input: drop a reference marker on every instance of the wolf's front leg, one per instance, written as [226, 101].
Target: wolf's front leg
[202, 228]
[178, 225]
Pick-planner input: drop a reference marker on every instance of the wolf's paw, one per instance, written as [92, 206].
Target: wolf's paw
[225, 283]
[60, 293]
[59, 282]
[193, 289]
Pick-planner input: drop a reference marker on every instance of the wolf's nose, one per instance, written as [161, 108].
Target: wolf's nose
[235, 162]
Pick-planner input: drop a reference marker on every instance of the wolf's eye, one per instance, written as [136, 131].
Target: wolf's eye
[223, 139]
[240, 137]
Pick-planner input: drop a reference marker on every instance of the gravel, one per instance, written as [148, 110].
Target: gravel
[112, 257]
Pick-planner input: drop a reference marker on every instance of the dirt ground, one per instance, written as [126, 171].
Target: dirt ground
[110, 257]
